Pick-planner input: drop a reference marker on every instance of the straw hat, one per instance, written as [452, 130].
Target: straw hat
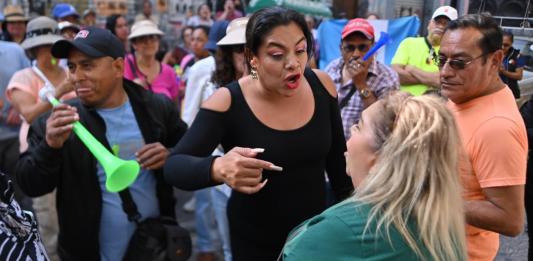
[144, 27]
[40, 31]
[235, 33]
[14, 13]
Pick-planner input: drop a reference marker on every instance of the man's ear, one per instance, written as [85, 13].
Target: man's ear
[118, 67]
[497, 59]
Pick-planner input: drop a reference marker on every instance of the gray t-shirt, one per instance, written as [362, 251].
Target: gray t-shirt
[12, 59]
[115, 229]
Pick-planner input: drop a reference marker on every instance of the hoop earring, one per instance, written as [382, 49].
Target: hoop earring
[253, 73]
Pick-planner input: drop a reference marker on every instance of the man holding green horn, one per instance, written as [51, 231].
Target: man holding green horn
[136, 123]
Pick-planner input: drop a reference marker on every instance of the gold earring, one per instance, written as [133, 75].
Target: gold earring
[253, 72]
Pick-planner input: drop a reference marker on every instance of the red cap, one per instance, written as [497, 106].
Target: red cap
[358, 25]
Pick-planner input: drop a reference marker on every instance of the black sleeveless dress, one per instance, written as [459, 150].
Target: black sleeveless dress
[259, 223]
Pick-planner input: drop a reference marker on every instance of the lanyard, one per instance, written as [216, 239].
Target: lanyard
[431, 51]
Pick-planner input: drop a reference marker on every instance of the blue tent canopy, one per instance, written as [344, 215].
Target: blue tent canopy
[311, 7]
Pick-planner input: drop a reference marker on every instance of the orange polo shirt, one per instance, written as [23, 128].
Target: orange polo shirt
[495, 141]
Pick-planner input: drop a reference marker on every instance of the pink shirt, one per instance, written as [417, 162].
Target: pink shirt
[165, 83]
[29, 82]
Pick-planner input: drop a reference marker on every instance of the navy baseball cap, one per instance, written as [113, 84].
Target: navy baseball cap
[217, 32]
[92, 41]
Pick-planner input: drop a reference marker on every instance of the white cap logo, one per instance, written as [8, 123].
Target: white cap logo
[82, 34]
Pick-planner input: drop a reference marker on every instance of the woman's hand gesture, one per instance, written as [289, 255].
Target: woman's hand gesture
[240, 170]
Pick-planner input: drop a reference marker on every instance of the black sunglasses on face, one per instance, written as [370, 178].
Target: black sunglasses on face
[456, 64]
[350, 48]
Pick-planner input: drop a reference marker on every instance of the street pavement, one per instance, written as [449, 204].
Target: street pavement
[513, 248]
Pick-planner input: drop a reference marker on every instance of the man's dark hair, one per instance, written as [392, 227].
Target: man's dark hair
[492, 36]
[509, 34]
[203, 28]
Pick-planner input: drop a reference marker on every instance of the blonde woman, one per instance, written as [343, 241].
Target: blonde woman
[402, 158]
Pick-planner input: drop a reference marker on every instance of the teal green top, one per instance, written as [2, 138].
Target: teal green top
[337, 234]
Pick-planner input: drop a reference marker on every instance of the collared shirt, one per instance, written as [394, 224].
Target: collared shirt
[381, 80]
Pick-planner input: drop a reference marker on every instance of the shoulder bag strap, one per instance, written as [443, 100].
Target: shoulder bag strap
[129, 206]
[347, 98]
[312, 77]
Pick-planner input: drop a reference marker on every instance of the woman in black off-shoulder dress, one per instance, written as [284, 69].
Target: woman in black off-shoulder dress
[281, 115]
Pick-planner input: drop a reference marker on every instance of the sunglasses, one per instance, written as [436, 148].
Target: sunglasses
[350, 48]
[506, 45]
[456, 64]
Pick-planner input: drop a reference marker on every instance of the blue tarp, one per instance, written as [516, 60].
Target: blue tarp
[329, 36]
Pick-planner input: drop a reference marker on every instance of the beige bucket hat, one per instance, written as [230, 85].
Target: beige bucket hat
[144, 27]
[41, 31]
[235, 33]
[14, 13]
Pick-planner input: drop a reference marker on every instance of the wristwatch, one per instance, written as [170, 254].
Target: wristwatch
[365, 93]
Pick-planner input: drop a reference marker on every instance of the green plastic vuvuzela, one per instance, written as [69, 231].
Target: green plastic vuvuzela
[119, 173]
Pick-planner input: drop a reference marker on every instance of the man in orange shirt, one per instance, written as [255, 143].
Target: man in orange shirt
[492, 130]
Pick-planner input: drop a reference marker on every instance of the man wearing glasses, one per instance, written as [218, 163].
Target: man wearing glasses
[359, 83]
[414, 58]
[493, 169]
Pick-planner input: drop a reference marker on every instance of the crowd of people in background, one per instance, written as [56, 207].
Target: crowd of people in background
[425, 158]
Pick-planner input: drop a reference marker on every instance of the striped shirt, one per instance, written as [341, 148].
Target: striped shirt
[381, 80]
[19, 235]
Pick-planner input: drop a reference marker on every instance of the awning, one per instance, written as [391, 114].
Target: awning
[311, 7]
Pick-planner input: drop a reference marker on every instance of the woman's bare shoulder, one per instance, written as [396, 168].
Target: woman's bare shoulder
[327, 82]
[220, 100]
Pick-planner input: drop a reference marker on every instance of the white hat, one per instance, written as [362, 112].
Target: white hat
[41, 31]
[235, 33]
[144, 27]
[66, 24]
[445, 10]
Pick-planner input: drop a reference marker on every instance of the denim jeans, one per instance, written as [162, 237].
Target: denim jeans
[220, 202]
[205, 221]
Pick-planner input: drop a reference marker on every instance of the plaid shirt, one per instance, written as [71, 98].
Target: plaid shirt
[381, 79]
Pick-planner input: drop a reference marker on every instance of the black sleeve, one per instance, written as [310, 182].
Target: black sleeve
[335, 162]
[176, 128]
[189, 165]
[38, 168]
[527, 114]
